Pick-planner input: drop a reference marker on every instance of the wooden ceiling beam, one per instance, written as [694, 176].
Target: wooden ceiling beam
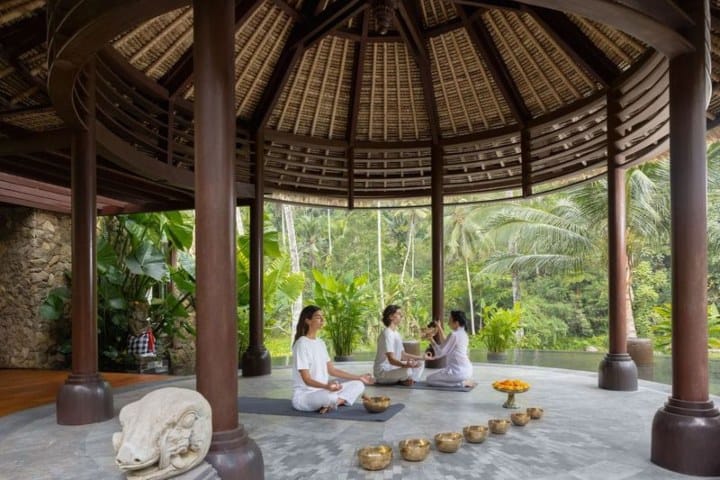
[408, 21]
[575, 43]
[356, 81]
[285, 7]
[180, 75]
[481, 38]
[656, 22]
[29, 142]
[308, 31]
[24, 35]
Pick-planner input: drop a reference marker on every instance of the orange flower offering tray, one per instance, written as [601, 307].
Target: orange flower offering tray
[511, 387]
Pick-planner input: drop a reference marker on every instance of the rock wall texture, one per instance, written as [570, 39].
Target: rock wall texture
[34, 254]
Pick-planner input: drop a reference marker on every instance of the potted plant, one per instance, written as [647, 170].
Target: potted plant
[499, 333]
[345, 303]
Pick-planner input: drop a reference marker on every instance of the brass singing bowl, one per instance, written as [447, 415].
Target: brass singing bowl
[414, 449]
[376, 404]
[475, 433]
[375, 457]
[535, 412]
[448, 442]
[498, 425]
[520, 418]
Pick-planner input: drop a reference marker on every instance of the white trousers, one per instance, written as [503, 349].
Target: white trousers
[312, 400]
[400, 374]
[444, 378]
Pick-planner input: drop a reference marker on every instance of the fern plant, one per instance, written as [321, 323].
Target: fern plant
[501, 326]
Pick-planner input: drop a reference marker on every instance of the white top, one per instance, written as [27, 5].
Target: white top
[309, 354]
[389, 341]
[455, 347]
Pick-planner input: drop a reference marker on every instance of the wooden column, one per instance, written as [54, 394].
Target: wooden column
[617, 370]
[437, 213]
[256, 360]
[85, 397]
[232, 452]
[686, 430]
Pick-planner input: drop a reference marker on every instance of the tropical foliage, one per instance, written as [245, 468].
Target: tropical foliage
[501, 327]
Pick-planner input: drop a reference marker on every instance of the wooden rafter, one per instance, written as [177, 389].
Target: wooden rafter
[24, 35]
[575, 43]
[308, 31]
[482, 40]
[356, 82]
[180, 75]
[407, 20]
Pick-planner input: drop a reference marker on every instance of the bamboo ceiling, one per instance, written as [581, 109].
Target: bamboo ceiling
[513, 94]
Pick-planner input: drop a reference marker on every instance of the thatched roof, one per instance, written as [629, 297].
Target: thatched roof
[512, 93]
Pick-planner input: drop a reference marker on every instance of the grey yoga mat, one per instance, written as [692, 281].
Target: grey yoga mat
[424, 386]
[282, 406]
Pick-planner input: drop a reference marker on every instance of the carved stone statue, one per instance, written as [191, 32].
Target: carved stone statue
[165, 433]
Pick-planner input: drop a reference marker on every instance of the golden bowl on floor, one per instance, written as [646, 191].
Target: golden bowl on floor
[520, 418]
[535, 412]
[414, 449]
[375, 457]
[475, 433]
[498, 425]
[376, 404]
[448, 442]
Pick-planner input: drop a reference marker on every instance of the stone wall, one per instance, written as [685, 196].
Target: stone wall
[34, 254]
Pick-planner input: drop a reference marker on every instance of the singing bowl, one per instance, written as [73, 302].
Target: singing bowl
[535, 412]
[375, 457]
[475, 433]
[448, 442]
[376, 404]
[520, 418]
[414, 449]
[498, 425]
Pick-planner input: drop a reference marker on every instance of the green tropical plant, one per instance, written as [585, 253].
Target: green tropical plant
[662, 330]
[346, 304]
[501, 326]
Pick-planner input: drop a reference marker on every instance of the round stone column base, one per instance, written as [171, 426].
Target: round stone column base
[617, 371]
[686, 438]
[84, 399]
[256, 361]
[235, 455]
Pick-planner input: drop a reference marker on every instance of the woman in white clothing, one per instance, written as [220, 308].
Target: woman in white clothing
[458, 371]
[312, 388]
[392, 363]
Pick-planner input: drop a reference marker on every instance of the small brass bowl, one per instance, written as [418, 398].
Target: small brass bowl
[475, 433]
[414, 449]
[520, 418]
[376, 404]
[535, 412]
[498, 425]
[375, 457]
[448, 442]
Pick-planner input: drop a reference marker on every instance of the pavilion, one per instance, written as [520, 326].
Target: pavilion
[122, 106]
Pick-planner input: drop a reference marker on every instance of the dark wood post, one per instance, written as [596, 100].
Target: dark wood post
[232, 452]
[437, 213]
[617, 370]
[256, 360]
[85, 397]
[686, 430]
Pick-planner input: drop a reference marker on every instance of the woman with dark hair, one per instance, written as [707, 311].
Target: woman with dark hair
[392, 363]
[458, 371]
[312, 388]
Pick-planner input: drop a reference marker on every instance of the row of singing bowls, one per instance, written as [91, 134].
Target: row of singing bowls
[375, 457]
[414, 449]
[535, 412]
[448, 442]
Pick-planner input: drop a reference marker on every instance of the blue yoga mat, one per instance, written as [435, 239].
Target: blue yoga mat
[424, 386]
[282, 406]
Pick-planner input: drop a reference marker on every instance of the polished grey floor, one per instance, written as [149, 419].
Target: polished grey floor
[586, 433]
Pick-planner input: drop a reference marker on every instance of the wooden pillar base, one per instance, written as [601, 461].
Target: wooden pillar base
[235, 455]
[686, 438]
[84, 399]
[256, 361]
[617, 371]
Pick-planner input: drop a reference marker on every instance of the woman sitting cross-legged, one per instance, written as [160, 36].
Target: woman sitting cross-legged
[458, 371]
[392, 363]
[312, 388]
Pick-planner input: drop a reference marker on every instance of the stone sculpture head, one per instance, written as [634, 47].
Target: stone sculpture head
[165, 433]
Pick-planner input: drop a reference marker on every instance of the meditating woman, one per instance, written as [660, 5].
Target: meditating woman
[312, 388]
[458, 371]
[392, 363]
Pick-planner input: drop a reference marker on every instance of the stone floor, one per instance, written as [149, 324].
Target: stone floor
[586, 433]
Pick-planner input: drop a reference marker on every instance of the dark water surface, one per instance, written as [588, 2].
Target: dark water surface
[660, 371]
